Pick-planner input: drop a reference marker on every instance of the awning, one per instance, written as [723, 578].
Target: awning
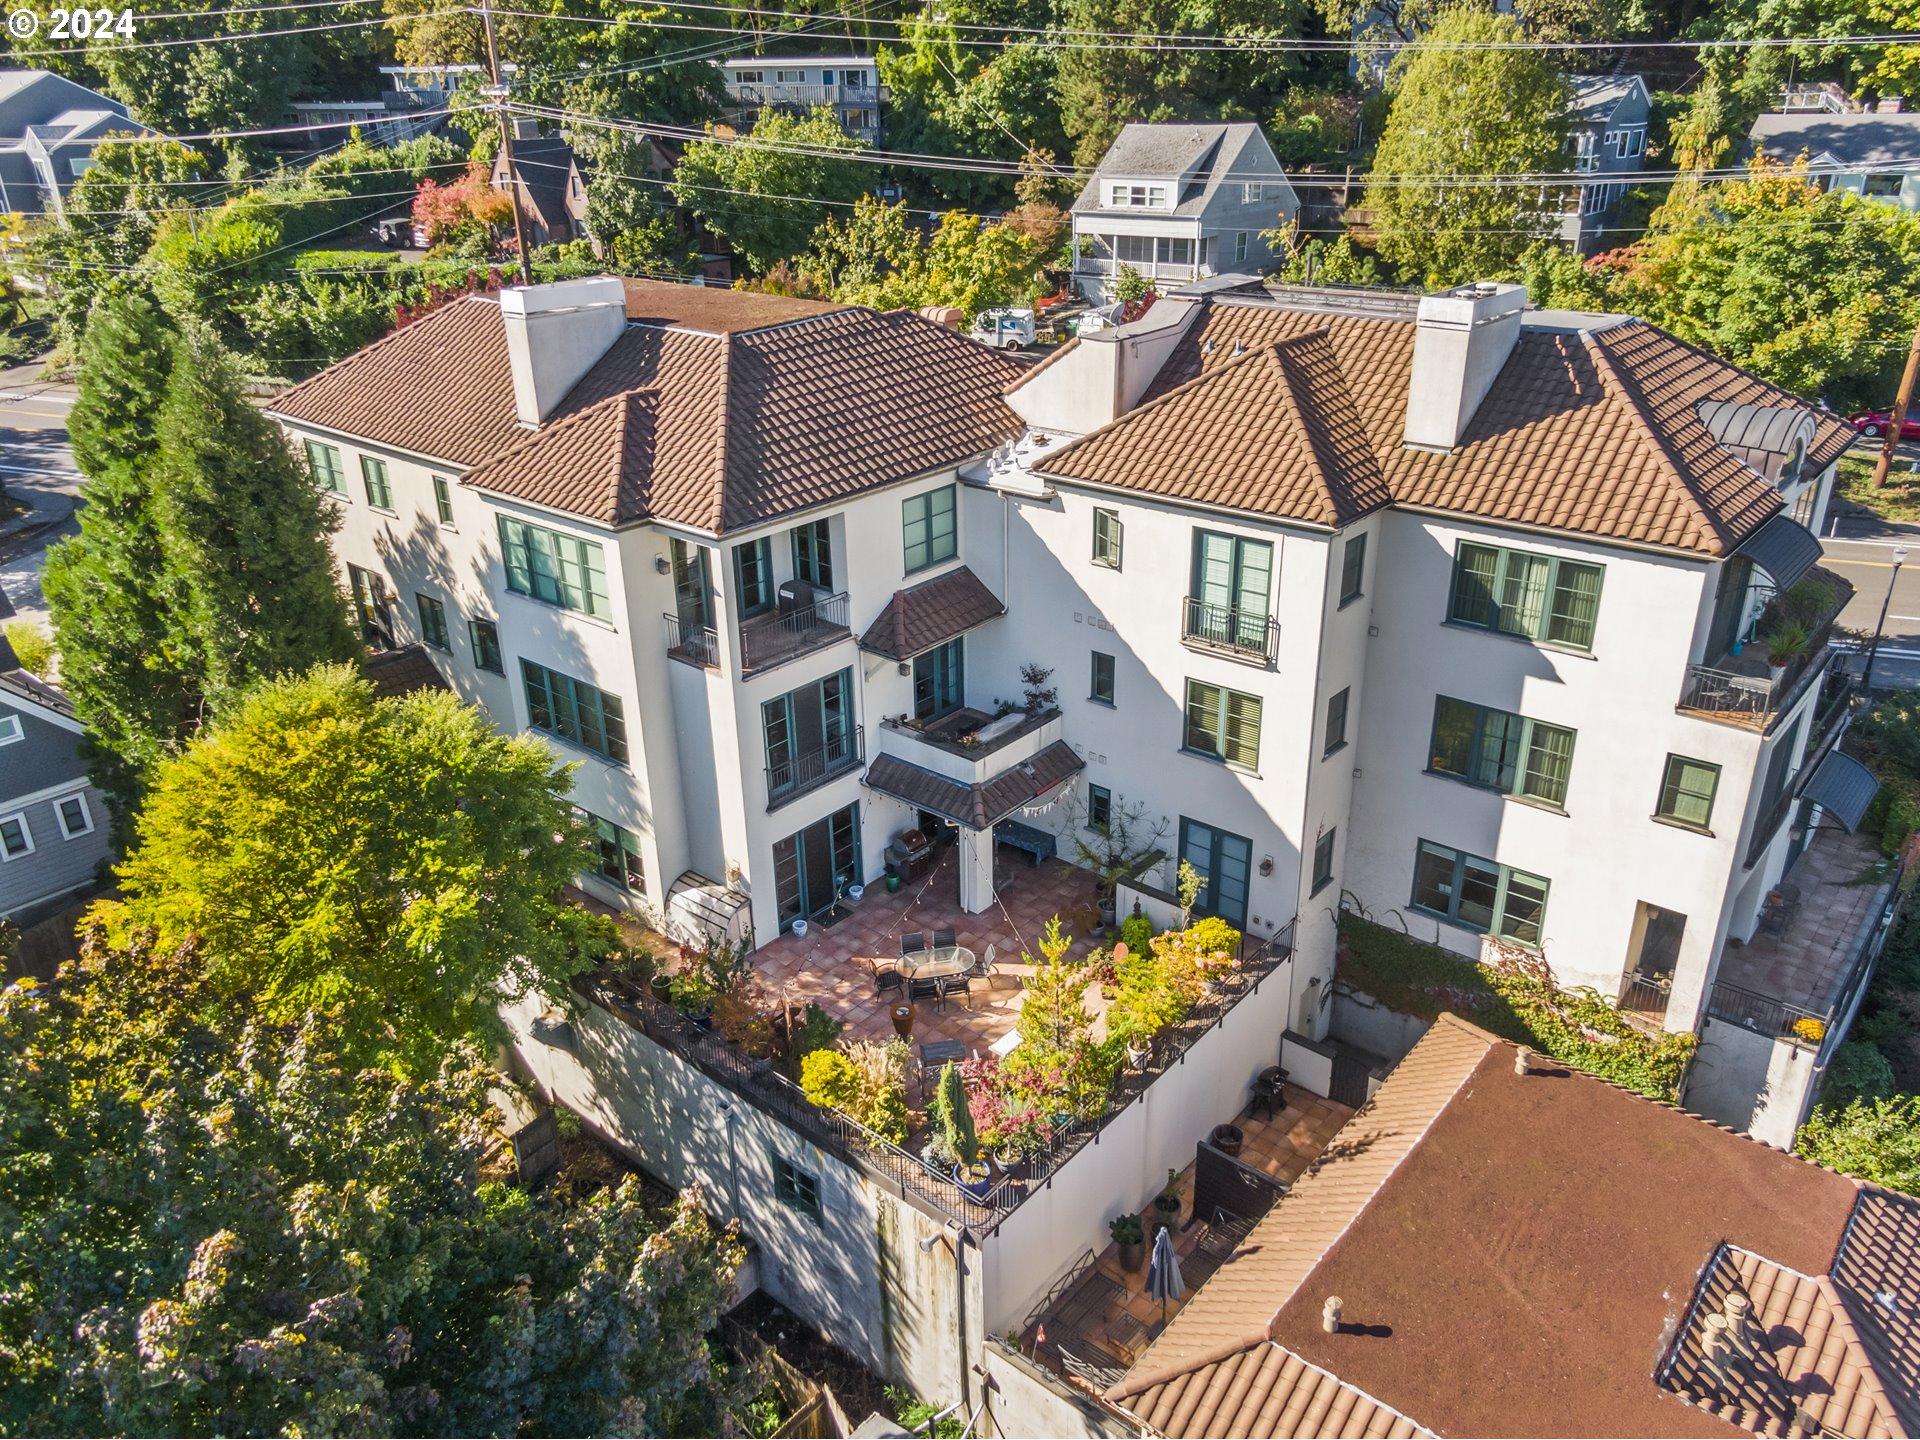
[1843, 787]
[1784, 548]
[975, 806]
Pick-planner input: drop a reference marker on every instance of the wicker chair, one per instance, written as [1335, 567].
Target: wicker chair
[885, 977]
[912, 944]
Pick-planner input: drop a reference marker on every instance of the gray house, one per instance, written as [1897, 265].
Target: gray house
[1607, 134]
[48, 128]
[1870, 153]
[1178, 203]
[53, 823]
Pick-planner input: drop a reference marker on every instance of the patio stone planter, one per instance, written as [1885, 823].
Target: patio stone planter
[1227, 1139]
[976, 1184]
[903, 1021]
[662, 988]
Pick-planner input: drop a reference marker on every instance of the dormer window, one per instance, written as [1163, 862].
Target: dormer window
[1137, 197]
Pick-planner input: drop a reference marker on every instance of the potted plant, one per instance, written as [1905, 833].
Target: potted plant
[662, 987]
[693, 998]
[903, 1020]
[1166, 1205]
[1228, 1139]
[1785, 642]
[955, 1118]
[1131, 1236]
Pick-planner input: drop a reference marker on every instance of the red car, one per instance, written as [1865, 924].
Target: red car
[1873, 424]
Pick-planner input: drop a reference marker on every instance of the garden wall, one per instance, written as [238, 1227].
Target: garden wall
[1363, 1022]
[1127, 1164]
[1023, 1400]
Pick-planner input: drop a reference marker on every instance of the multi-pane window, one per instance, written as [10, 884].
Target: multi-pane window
[1102, 682]
[1223, 723]
[813, 554]
[373, 473]
[1225, 862]
[1353, 568]
[1539, 597]
[795, 1188]
[620, 862]
[1323, 862]
[484, 636]
[1137, 197]
[939, 680]
[16, 839]
[1106, 538]
[443, 500]
[1501, 750]
[1230, 598]
[1337, 722]
[1240, 245]
[1686, 792]
[324, 461]
[575, 711]
[556, 568]
[433, 622]
[1099, 808]
[1482, 894]
[753, 572]
[930, 529]
[75, 819]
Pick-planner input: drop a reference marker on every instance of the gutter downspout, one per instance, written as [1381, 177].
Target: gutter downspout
[960, 1311]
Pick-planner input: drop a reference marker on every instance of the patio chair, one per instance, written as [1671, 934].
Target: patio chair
[983, 963]
[912, 944]
[923, 989]
[956, 985]
[1094, 1364]
[944, 940]
[885, 977]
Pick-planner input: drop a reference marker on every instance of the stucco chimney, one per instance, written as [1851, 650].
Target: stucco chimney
[1461, 339]
[555, 334]
[1742, 1333]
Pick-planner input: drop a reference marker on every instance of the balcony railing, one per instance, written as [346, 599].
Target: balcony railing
[1764, 1015]
[692, 642]
[1243, 634]
[804, 772]
[791, 631]
[1647, 994]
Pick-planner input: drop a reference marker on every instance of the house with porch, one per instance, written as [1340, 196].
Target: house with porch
[1867, 152]
[1503, 625]
[1607, 122]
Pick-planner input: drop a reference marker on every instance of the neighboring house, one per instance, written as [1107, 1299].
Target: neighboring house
[552, 191]
[1430, 607]
[48, 129]
[53, 823]
[1607, 137]
[1869, 153]
[849, 85]
[1178, 203]
[1525, 1250]
[395, 115]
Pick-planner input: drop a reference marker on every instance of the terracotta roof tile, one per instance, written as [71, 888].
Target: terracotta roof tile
[1877, 1276]
[1266, 1391]
[978, 805]
[931, 613]
[402, 671]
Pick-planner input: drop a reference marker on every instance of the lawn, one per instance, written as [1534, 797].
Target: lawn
[1898, 499]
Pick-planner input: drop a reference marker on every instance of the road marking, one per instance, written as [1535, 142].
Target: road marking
[42, 414]
[40, 470]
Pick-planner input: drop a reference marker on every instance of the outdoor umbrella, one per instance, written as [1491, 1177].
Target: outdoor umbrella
[1163, 1272]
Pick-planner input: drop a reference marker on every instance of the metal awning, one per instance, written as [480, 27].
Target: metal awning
[1784, 548]
[1843, 787]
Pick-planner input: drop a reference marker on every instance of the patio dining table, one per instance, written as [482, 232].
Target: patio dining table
[937, 965]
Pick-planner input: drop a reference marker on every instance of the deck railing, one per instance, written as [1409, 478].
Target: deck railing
[1245, 634]
[787, 633]
[796, 776]
[692, 642]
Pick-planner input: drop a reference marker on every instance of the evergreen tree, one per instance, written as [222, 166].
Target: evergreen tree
[243, 533]
[103, 588]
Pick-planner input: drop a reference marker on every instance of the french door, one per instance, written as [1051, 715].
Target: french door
[1226, 862]
[810, 864]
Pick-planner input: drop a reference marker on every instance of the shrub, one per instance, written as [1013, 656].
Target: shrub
[829, 1080]
[1877, 1141]
[1126, 1229]
[867, 1083]
[32, 647]
[1213, 936]
[1136, 932]
[1859, 1071]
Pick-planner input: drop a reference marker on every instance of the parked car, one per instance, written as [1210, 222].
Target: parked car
[1873, 424]
[1004, 329]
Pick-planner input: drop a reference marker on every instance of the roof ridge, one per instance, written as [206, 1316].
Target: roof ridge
[1319, 342]
[1294, 411]
[723, 453]
[1226, 366]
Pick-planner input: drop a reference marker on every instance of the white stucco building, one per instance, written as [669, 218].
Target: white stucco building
[1433, 609]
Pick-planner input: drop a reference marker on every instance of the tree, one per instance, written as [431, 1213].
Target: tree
[396, 860]
[1462, 122]
[216, 1224]
[765, 193]
[876, 257]
[467, 209]
[1875, 1140]
[105, 588]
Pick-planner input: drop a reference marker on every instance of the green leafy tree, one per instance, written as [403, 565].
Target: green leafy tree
[765, 194]
[396, 860]
[1876, 1140]
[243, 532]
[216, 1224]
[1473, 116]
[876, 257]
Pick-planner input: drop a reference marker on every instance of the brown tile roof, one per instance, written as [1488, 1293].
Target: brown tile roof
[760, 406]
[1599, 434]
[1265, 1391]
[1515, 1255]
[931, 613]
[402, 671]
[976, 806]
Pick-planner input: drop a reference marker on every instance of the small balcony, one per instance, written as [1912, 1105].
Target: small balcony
[1743, 686]
[809, 771]
[804, 621]
[692, 643]
[1243, 635]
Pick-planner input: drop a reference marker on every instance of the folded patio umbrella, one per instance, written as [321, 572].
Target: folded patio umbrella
[1163, 1272]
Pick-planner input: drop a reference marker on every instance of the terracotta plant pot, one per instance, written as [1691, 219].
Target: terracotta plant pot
[1227, 1139]
[903, 1021]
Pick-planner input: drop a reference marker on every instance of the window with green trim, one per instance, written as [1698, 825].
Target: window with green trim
[443, 500]
[373, 473]
[1480, 894]
[1099, 808]
[753, 572]
[575, 711]
[1515, 592]
[1223, 723]
[559, 569]
[1501, 751]
[1100, 687]
[619, 849]
[433, 622]
[1323, 862]
[813, 554]
[1687, 790]
[795, 1188]
[930, 528]
[324, 461]
[1337, 722]
[1353, 568]
[1107, 535]
[484, 636]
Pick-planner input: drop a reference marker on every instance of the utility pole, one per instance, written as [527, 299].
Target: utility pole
[1897, 421]
[497, 93]
[1873, 650]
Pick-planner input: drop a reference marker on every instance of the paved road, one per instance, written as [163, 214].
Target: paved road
[37, 466]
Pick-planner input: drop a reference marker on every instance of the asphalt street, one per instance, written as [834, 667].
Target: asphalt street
[1861, 547]
[37, 467]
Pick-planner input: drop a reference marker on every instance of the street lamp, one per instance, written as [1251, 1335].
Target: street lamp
[1873, 650]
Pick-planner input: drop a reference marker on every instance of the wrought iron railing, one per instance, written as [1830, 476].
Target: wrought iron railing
[1765, 1015]
[1755, 699]
[801, 773]
[771, 639]
[1247, 634]
[692, 642]
[1074, 1127]
[1647, 995]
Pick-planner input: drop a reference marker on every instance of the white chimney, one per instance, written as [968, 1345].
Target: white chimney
[1461, 340]
[555, 334]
